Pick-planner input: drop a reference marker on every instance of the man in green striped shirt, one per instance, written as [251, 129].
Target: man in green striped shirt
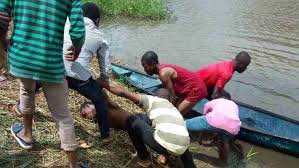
[35, 54]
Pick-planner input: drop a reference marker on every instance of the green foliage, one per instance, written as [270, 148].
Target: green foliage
[251, 154]
[151, 9]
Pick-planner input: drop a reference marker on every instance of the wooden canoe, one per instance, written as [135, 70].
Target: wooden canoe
[259, 126]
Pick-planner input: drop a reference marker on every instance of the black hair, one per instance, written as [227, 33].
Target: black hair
[243, 56]
[150, 57]
[84, 105]
[92, 11]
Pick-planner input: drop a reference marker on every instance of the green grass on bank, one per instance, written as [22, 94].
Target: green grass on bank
[145, 9]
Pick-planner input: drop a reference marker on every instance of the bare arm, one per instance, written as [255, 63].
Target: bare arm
[165, 78]
[119, 90]
[218, 89]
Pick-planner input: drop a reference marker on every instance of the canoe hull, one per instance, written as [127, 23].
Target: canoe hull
[259, 126]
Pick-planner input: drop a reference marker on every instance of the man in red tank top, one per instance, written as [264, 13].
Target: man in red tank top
[185, 87]
[217, 75]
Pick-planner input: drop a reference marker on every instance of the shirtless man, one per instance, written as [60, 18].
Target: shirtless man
[117, 116]
[185, 87]
[155, 128]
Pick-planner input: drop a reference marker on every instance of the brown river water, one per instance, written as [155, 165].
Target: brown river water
[202, 32]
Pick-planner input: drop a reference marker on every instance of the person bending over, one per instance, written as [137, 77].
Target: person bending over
[217, 75]
[162, 128]
[180, 82]
[221, 116]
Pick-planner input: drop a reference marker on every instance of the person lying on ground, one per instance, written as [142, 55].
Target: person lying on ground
[179, 81]
[35, 54]
[162, 128]
[79, 74]
[117, 116]
[221, 116]
[217, 75]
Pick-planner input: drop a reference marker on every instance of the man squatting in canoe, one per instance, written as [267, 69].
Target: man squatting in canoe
[188, 85]
[139, 126]
[215, 120]
[185, 87]
[74, 78]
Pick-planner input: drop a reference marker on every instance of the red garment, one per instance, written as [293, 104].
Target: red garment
[187, 84]
[216, 74]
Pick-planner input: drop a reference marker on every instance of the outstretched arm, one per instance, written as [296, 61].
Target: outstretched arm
[119, 90]
[167, 83]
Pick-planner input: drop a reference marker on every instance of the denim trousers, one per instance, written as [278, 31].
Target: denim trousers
[200, 124]
[93, 91]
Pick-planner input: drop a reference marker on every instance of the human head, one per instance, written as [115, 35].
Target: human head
[88, 111]
[150, 62]
[92, 11]
[163, 93]
[242, 60]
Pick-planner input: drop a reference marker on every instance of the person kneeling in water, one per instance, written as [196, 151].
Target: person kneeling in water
[221, 116]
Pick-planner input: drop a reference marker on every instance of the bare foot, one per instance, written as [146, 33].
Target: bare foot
[28, 138]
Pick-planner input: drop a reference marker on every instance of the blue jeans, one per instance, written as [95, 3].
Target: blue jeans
[92, 91]
[200, 124]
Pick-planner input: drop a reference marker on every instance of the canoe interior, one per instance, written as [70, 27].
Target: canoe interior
[253, 119]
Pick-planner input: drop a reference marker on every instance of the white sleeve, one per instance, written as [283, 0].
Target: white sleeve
[104, 60]
[144, 101]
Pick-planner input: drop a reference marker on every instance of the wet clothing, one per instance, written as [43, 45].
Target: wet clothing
[187, 84]
[36, 44]
[216, 75]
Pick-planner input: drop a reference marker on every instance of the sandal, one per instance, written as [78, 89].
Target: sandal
[15, 129]
[82, 165]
